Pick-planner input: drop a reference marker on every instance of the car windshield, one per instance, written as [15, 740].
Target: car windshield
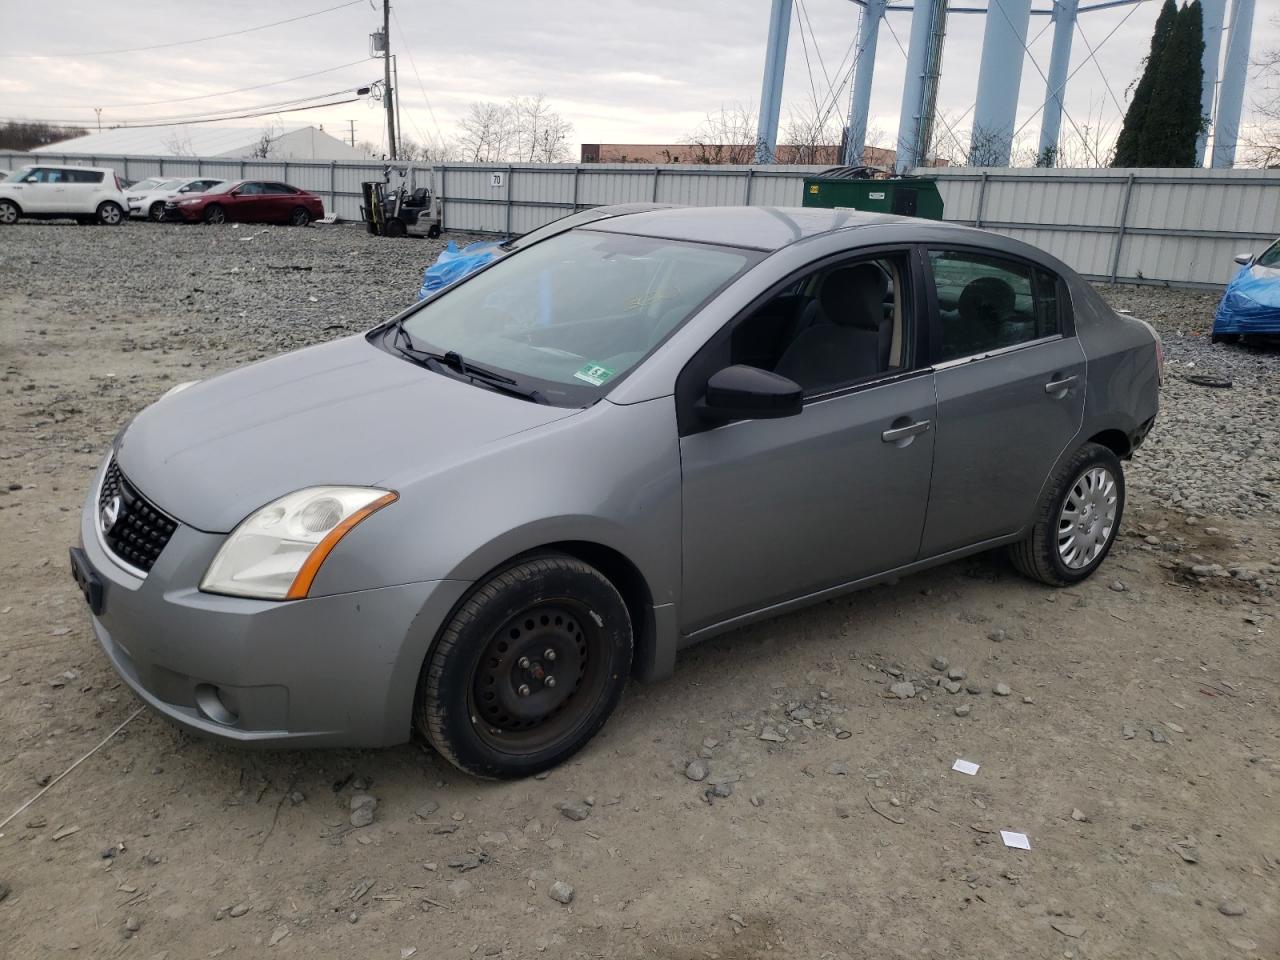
[167, 185]
[571, 315]
[1269, 257]
[18, 174]
[143, 185]
[226, 187]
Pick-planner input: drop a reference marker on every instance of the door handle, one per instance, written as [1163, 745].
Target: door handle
[898, 434]
[1059, 386]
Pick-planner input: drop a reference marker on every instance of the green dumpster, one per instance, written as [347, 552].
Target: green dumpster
[864, 188]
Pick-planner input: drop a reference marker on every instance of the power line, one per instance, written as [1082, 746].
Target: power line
[421, 86]
[261, 110]
[180, 43]
[206, 96]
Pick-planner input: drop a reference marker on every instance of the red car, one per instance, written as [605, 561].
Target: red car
[248, 201]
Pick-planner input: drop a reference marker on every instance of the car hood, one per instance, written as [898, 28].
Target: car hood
[345, 412]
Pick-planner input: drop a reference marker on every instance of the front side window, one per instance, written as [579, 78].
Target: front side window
[250, 189]
[835, 326]
[571, 315]
[42, 175]
[988, 303]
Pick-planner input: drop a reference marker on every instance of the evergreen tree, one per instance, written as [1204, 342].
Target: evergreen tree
[1173, 118]
[1128, 144]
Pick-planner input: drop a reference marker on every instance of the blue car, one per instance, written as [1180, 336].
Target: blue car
[1251, 304]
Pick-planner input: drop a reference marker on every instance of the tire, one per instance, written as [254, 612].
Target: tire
[433, 232]
[9, 213]
[214, 213]
[299, 217]
[474, 704]
[371, 227]
[155, 213]
[1046, 555]
[1225, 338]
[395, 228]
[110, 213]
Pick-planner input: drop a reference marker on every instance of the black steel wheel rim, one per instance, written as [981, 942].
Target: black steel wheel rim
[539, 677]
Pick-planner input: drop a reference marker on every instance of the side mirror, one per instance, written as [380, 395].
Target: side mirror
[234, 193]
[1244, 259]
[749, 393]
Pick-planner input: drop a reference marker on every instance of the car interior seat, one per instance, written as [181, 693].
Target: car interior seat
[985, 306]
[852, 336]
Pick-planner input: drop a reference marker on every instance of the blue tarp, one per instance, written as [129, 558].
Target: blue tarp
[1251, 303]
[454, 264]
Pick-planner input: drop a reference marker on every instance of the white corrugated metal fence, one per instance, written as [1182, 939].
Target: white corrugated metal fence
[1146, 226]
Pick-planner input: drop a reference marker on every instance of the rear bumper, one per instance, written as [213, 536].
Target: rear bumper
[339, 670]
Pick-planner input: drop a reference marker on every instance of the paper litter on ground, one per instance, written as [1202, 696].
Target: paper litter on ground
[966, 766]
[1012, 839]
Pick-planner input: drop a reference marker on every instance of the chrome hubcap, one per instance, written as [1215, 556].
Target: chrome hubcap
[1088, 517]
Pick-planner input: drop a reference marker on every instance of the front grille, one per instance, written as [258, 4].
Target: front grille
[139, 530]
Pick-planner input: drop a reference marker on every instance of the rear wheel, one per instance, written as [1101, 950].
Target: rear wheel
[299, 217]
[215, 214]
[156, 211]
[433, 231]
[110, 213]
[1225, 338]
[9, 212]
[1077, 520]
[528, 669]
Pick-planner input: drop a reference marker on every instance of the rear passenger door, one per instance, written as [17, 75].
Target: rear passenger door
[80, 190]
[279, 201]
[1010, 377]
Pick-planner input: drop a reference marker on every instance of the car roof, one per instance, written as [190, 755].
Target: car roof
[65, 166]
[758, 228]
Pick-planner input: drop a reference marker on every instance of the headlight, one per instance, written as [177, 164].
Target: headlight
[133, 199]
[186, 202]
[276, 552]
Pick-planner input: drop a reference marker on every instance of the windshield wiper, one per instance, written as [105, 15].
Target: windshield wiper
[453, 360]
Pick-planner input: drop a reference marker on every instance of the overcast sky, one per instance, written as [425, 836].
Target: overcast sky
[636, 72]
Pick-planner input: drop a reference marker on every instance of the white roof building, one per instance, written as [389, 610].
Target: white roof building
[287, 142]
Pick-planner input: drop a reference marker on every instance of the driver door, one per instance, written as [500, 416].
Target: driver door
[247, 203]
[778, 509]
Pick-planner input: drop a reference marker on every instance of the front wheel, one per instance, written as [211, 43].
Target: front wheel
[1077, 519]
[156, 212]
[528, 669]
[433, 231]
[110, 213]
[215, 214]
[300, 217]
[395, 227]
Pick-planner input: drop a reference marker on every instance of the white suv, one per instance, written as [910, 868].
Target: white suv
[53, 192]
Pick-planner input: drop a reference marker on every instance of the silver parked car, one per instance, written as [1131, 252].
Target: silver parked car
[480, 518]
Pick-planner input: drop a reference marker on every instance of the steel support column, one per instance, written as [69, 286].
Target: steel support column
[1226, 129]
[1064, 29]
[999, 77]
[1213, 11]
[920, 88]
[775, 63]
[864, 74]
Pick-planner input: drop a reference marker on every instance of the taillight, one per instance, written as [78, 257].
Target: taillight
[119, 185]
[1159, 351]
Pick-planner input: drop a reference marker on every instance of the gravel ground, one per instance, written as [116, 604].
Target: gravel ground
[788, 792]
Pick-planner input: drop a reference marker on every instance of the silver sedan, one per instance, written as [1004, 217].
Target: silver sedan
[480, 518]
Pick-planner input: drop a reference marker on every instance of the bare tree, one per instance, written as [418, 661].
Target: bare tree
[179, 143]
[442, 151]
[811, 137]
[265, 144]
[727, 135]
[488, 134]
[541, 134]
[1261, 138]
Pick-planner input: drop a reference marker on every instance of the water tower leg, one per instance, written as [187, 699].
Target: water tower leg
[999, 76]
[1064, 28]
[864, 74]
[1226, 129]
[775, 62]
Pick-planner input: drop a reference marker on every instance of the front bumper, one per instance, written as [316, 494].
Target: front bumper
[175, 212]
[339, 670]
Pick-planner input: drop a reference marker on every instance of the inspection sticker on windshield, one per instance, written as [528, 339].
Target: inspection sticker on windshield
[594, 374]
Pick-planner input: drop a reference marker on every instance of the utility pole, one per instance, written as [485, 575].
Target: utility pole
[98, 111]
[352, 123]
[389, 93]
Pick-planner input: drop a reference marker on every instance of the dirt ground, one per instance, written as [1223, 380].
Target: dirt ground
[1138, 747]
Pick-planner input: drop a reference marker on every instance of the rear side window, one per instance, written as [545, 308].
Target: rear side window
[82, 176]
[988, 303]
[277, 188]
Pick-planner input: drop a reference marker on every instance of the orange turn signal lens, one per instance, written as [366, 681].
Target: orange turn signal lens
[301, 585]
